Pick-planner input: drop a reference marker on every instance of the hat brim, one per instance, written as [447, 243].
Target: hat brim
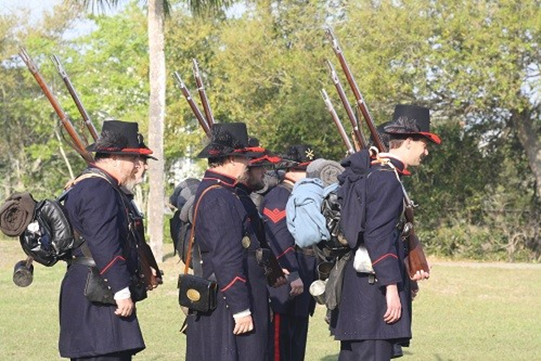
[126, 151]
[265, 160]
[210, 151]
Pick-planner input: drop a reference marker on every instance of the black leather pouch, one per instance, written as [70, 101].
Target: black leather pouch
[138, 289]
[96, 289]
[197, 293]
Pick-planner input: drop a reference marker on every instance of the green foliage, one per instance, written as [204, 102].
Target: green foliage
[474, 64]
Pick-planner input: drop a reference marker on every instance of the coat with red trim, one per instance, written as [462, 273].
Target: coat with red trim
[222, 223]
[360, 313]
[282, 244]
[96, 211]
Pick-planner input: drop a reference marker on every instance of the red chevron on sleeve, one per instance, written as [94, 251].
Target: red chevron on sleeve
[275, 215]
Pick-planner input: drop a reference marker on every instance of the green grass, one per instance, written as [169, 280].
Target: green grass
[464, 312]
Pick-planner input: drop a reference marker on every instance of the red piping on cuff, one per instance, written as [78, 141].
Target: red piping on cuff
[111, 263]
[383, 257]
[286, 251]
[237, 278]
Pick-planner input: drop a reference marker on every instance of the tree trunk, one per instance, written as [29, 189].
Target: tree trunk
[157, 79]
[527, 134]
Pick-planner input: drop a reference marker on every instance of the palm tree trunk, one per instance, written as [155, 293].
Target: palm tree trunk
[156, 125]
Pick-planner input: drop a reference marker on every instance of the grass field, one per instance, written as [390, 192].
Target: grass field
[466, 311]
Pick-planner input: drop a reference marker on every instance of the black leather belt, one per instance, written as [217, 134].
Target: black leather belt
[84, 261]
[305, 251]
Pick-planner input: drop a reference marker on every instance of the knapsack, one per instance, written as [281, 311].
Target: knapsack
[49, 237]
[335, 200]
[182, 199]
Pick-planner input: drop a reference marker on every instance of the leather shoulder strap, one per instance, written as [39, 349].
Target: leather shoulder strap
[192, 232]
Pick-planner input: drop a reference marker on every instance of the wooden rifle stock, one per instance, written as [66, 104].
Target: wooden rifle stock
[195, 109]
[75, 97]
[78, 144]
[351, 115]
[337, 122]
[203, 94]
[416, 260]
[147, 259]
[358, 96]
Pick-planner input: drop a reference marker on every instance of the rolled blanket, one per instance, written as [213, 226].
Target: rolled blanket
[324, 169]
[16, 213]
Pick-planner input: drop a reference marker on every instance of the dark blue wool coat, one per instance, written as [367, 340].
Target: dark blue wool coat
[221, 224]
[95, 210]
[282, 244]
[360, 313]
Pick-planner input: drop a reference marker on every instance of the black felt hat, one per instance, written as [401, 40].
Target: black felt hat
[411, 120]
[119, 137]
[143, 146]
[227, 139]
[265, 157]
[298, 157]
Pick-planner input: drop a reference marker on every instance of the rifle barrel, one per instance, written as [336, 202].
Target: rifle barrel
[189, 99]
[337, 122]
[351, 115]
[202, 94]
[353, 85]
[78, 144]
[75, 97]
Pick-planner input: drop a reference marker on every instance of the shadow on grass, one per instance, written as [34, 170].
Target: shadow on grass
[169, 255]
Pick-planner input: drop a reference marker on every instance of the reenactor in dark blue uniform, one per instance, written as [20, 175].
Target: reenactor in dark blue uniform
[291, 305]
[98, 212]
[237, 329]
[375, 310]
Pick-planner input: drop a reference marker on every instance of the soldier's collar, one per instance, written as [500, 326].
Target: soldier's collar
[221, 178]
[389, 160]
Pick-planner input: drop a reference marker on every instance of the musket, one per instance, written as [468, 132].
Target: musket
[351, 115]
[75, 97]
[202, 94]
[358, 96]
[192, 104]
[77, 144]
[416, 259]
[338, 123]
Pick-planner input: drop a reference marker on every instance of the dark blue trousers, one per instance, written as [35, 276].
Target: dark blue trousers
[288, 338]
[117, 356]
[366, 350]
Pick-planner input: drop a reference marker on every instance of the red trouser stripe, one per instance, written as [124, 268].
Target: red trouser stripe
[276, 337]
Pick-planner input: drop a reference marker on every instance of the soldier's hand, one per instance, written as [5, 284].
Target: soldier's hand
[280, 282]
[243, 325]
[420, 275]
[158, 278]
[394, 308]
[297, 287]
[124, 308]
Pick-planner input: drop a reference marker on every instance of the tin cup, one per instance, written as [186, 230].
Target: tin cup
[324, 270]
[317, 290]
[23, 273]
